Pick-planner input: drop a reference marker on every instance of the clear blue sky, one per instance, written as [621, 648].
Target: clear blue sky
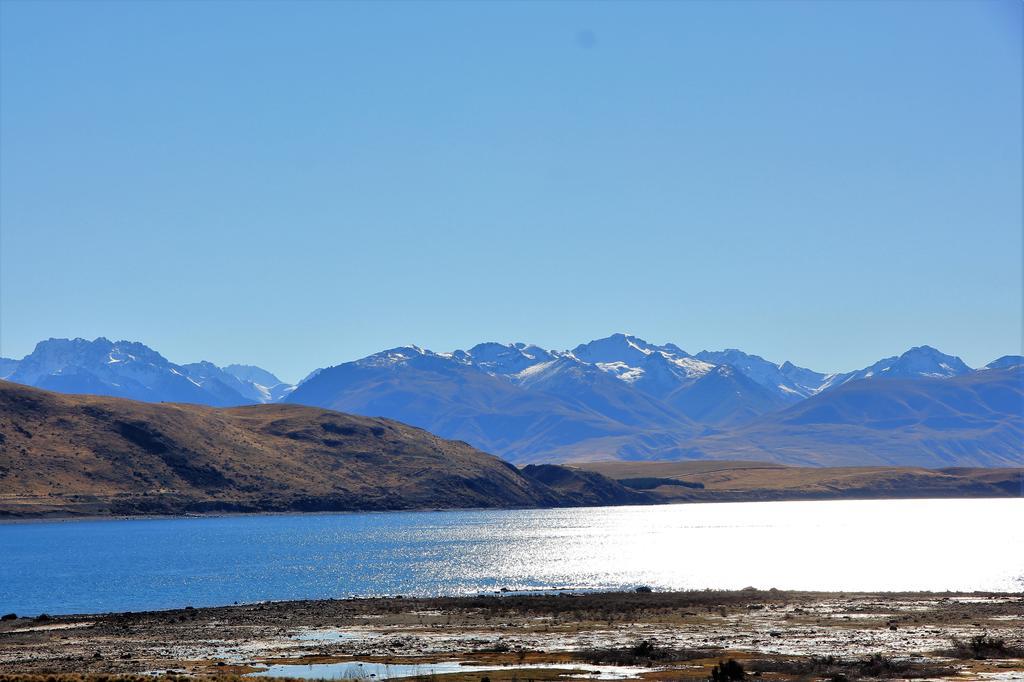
[297, 185]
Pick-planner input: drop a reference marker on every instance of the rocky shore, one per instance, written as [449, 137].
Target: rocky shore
[660, 636]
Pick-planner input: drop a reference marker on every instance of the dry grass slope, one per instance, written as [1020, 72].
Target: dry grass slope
[739, 480]
[67, 454]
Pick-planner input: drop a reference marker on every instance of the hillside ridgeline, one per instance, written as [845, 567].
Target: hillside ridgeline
[66, 455]
[744, 481]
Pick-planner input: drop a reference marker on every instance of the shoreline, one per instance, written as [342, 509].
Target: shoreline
[538, 593]
[740, 497]
[685, 633]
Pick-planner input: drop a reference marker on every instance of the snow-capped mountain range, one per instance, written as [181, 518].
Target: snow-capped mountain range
[128, 369]
[662, 370]
[616, 397]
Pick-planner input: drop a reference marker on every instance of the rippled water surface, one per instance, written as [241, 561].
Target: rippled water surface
[95, 566]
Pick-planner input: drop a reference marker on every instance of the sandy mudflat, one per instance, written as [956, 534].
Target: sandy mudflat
[661, 636]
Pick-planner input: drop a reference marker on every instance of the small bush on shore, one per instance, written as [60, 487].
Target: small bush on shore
[983, 646]
[496, 648]
[875, 666]
[643, 652]
[728, 671]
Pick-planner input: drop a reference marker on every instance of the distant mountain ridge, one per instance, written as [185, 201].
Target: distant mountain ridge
[7, 367]
[973, 419]
[623, 398]
[128, 369]
[1005, 362]
[619, 397]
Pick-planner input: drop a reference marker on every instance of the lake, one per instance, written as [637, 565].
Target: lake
[130, 565]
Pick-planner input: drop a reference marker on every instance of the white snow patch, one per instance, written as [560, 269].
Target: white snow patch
[621, 370]
[645, 351]
[533, 370]
[692, 366]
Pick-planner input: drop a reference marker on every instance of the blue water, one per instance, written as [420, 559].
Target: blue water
[131, 565]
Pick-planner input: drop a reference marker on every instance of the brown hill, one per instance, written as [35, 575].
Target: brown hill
[705, 481]
[586, 488]
[73, 454]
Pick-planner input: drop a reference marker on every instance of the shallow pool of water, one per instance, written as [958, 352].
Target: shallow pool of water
[362, 670]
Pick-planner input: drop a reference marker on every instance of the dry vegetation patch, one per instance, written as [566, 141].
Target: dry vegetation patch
[839, 669]
[982, 647]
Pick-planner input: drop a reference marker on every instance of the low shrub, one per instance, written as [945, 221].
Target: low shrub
[728, 671]
[875, 666]
[496, 648]
[983, 646]
[643, 652]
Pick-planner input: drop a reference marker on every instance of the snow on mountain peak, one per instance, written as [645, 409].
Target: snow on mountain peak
[55, 356]
[506, 359]
[654, 369]
[256, 375]
[131, 369]
[690, 365]
[621, 371]
[394, 356]
[615, 348]
[919, 361]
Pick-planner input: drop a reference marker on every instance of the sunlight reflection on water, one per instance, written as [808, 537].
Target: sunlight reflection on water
[92, 566]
